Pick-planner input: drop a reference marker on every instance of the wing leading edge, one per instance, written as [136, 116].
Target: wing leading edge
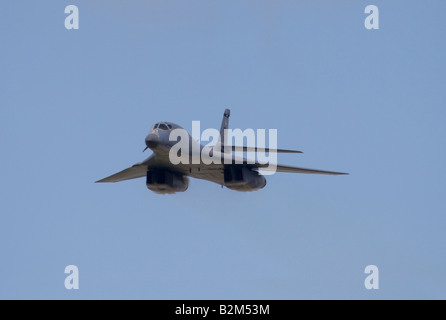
[139, 171]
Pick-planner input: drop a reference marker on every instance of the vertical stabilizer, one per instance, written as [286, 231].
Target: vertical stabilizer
[223, 139]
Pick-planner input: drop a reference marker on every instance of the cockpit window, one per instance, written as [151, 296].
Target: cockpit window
[162, 126]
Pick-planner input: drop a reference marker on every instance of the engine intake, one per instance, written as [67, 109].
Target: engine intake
[166, 182]
[243, 179]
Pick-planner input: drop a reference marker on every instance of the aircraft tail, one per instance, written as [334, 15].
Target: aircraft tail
[223, 139]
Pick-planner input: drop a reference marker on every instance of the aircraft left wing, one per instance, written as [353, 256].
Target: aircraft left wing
[136, 171]
[254, 149]
[233, 160]
[280, 168]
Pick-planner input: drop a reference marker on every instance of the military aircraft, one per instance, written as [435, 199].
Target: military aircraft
[164, 177]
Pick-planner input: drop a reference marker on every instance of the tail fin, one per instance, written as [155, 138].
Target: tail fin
[223, 139]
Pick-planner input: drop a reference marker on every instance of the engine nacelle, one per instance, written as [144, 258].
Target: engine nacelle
[243, 179]
[164, 181]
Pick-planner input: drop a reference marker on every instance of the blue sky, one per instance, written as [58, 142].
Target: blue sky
[76, 106]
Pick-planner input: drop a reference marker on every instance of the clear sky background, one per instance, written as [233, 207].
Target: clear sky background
[76, 105]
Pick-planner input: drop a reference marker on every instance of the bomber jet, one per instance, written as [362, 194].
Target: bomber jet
[236, 173]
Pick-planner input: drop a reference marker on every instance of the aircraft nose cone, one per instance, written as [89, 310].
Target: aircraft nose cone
[152, 140]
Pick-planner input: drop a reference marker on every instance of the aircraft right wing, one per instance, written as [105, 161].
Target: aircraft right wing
[136, 171]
